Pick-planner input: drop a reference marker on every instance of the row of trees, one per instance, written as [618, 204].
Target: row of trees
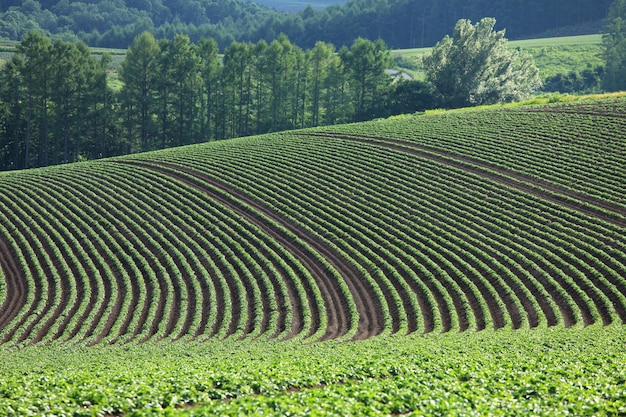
[56, 107]
[177, 93]
[400, 23]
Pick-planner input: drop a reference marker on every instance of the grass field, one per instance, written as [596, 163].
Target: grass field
[552, 55]
[458, 262]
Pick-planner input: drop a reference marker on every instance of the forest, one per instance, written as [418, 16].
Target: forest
[400, 23]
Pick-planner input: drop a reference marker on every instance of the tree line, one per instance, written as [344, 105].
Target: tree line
[56, 105]
[400, 23]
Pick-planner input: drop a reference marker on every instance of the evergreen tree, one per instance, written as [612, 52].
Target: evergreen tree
[320, 58]
[207, 52]
[236, 78]
[365, 64]
[139, 73]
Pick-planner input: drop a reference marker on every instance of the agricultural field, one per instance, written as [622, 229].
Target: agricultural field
[465, 262]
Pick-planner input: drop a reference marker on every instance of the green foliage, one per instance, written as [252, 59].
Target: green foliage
[587, 81]
[561, 60]
[173, 92]
[400, 23]
[58, 102]
[410, 96]
[475, 67]
[543, 372]
[365, 64]
[614, 41]
[200, 280]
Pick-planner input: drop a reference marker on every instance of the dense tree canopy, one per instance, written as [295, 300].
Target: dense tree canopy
[614, 41]
[55, 105]
[400, 23]
[475, 66]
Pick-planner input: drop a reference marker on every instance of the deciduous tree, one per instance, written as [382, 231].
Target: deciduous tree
[475, 66]
[139, 73]
[614, 41]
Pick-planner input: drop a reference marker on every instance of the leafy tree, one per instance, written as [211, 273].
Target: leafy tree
[53, 96]
[237, 79]
[586, 81]
[475, 66]
[614, 41]
[281, 57]
[410, 96]
[34, 72]
[320, 58]
[186, 83]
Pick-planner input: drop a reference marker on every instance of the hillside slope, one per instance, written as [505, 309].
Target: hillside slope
[453, 221]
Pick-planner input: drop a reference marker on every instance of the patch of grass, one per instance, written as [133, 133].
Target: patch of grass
[552, 55]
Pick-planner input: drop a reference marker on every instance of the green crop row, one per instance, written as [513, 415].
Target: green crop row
[576, 371]
[322, 193]
[581, 149]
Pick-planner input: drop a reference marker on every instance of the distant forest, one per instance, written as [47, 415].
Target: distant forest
[400, 23]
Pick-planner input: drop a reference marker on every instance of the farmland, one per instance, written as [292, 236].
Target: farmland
[454, 262]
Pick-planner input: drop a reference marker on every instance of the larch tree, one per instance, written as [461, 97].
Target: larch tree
[139, 73]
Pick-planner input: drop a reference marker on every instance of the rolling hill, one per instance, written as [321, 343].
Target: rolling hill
[507, 218]
[453, 221]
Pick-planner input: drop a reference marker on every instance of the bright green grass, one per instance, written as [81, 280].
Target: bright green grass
[552, 55]
[581, 40]
[555, 371]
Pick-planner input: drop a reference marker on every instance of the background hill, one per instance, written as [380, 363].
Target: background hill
[401, 23]
[297, 5]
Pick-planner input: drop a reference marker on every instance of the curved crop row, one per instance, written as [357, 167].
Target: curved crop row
[460, 221]
[574, 149]
[558, 281]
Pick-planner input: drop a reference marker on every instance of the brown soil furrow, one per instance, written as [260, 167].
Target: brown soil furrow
[163, 270]
[38, 294]
[583, 110]
[186, 230]
[16, 285]
[81, 290]
[120, 227]
[583, 203]
[297, 321]
[51, 272]
[502, 176]
[86, 214]
[311, 264]
[338, 322]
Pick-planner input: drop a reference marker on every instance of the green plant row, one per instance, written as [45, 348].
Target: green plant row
[580, 147]
[557, 268]
[556, 371]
